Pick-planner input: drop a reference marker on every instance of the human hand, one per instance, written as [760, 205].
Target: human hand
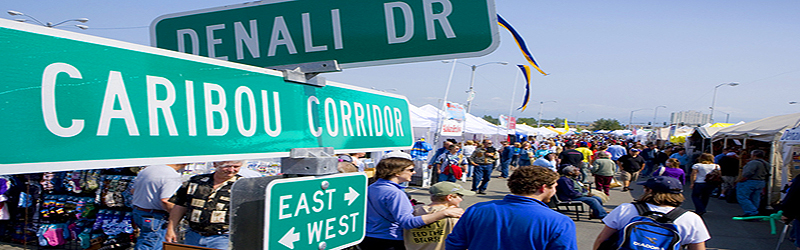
[454, 212]
[171, 237]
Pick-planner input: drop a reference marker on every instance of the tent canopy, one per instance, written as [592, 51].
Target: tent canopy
[761, 130]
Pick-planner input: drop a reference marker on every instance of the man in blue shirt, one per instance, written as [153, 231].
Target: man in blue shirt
[616, 151]
[521, 220]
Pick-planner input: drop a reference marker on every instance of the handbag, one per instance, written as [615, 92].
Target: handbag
[714, 178]
[614, 183]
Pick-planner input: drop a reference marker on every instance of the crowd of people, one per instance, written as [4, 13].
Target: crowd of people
[539, 173]
[560, 169]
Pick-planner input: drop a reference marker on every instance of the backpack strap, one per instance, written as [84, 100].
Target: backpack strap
[642, 208]
[672, 215]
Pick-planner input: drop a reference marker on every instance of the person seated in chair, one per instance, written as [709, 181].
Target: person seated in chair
[570, 189]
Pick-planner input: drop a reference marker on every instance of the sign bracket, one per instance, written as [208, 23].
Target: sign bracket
[306, 73]
[310, 161]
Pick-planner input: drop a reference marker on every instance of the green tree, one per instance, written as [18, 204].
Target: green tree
[491, 119]
[526, 121]
[606, 124]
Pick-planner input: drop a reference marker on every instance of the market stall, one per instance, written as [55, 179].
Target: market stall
[762, 134]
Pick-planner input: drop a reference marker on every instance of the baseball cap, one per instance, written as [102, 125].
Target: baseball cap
[583, 144]
[663, 184]
[447, 188]
[731, 154]
[635, 150]
[396, 154]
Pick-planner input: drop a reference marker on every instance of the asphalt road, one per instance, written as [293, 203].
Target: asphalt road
[725, 232]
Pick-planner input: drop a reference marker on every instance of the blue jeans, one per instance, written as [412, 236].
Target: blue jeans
[152, 229]
[214, 241]
[504, 168]
[595, 203]
[700, 195]
[447, 177]
[748, 193]
[482, 175]
[648, 168]
[470, 168]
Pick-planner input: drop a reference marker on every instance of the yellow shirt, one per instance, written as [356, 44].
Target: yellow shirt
[431, 236]
[587, 153]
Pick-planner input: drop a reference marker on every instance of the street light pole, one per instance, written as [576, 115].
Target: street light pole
[48, 24]
[541, 108]
[630, 120]
[655, 114]
[471, 91]
[714, 98]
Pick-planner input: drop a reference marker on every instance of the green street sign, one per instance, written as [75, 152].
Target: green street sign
[356, 33]
[316, 212]
[72, 101]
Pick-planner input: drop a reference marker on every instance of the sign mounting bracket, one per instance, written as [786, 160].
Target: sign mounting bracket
[306, 73]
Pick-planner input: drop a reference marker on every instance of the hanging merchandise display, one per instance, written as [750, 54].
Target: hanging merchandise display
[83, 209]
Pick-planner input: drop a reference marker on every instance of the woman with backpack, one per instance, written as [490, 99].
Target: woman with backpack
[661, 208]
[701, 189]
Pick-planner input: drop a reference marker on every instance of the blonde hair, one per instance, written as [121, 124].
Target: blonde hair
[673, 163]
[469, 142]
[659, 199]
[706, 158]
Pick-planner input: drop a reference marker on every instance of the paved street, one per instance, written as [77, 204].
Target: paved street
[725, 232]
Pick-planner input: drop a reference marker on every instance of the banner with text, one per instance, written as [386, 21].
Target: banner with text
[454, 124]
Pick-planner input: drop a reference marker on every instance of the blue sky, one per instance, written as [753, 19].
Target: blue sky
[605, 58]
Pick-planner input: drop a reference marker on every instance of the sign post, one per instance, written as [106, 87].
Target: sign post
[315, 212]
[355, 33]
[72, 101]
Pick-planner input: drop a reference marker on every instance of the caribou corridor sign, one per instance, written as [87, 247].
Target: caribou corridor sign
[355, 32]
[72, 101]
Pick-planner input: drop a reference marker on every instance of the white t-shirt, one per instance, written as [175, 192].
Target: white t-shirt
[703, 170]
[153, 184]
[468, 150]
[690, 226]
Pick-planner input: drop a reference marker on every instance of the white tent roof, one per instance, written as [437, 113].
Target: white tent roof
[474, 125]
[531, 131]
[762, 130]
[421, 118]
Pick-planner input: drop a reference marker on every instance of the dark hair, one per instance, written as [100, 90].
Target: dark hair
[528, 180]
[758, 153]
[389, 167]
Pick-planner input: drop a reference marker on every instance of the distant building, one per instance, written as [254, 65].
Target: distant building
[689, 118]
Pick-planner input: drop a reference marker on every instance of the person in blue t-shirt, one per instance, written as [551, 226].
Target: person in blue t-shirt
[521, 220]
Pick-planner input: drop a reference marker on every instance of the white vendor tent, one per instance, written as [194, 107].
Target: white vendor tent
[768, 130]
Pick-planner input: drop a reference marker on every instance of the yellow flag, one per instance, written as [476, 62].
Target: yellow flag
[566, 126]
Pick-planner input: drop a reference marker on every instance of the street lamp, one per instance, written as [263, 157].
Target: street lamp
[471, 92]
[630, 120]
[727, 116]
[655, 114]
[714, 98]
[48, 24]
[541, 108]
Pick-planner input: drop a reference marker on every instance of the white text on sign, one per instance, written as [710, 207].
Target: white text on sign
[349, 117]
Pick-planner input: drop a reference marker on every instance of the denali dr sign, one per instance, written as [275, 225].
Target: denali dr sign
[355, 32]
[72, 101]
